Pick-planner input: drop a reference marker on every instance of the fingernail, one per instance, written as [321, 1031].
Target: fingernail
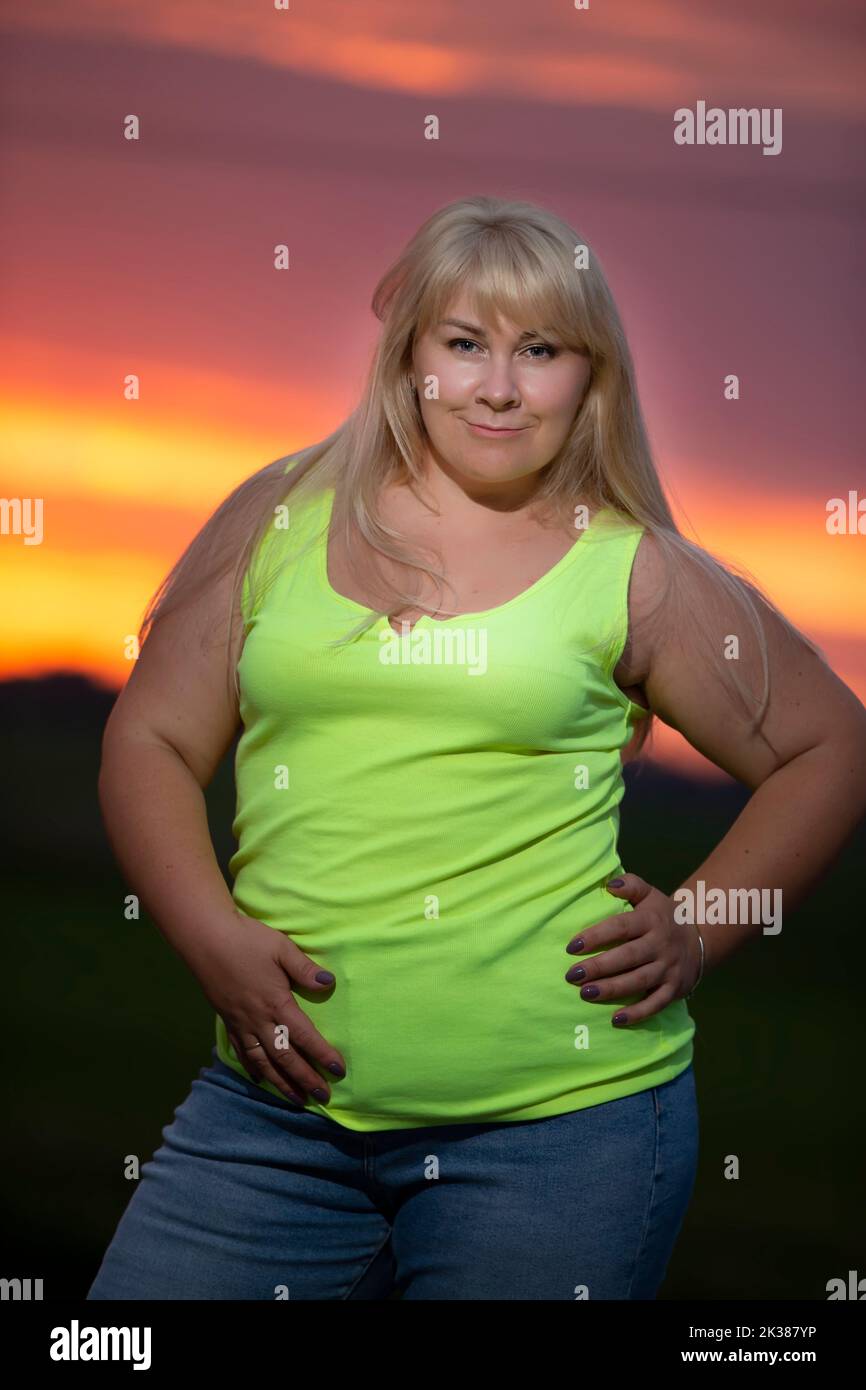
[574, 948]
[616, 883]
[325, 977]
[336, 1069]
[319, 1094]
[620, 1019]
[588, 992]
[576, 972]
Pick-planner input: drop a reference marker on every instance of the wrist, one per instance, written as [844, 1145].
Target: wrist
[201, 943]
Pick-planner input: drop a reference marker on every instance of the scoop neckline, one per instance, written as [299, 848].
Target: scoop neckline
[564, 562]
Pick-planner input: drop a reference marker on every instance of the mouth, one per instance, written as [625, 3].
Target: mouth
[494, 430]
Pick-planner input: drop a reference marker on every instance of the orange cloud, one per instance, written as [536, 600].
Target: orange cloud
[647, 54]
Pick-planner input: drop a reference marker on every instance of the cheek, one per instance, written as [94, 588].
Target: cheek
[555, 397]
[455, 380]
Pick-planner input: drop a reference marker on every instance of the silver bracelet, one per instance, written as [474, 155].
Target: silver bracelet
[701, 967]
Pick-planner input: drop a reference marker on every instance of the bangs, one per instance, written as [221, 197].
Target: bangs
[503, 277]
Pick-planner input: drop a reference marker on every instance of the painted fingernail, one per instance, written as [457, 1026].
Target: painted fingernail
[616, 883]
[336, 1069]
[319, 1094]
[574, 948]
[588, 992]
[325, 977]
[576, 972]
[620, 1019]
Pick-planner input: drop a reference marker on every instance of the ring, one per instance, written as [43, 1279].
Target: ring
[252, 1047]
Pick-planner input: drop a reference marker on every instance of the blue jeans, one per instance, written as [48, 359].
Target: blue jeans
[252, 1197]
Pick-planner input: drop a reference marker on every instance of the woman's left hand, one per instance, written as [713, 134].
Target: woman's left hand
[659, 957]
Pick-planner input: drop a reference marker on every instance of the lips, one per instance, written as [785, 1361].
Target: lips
[496, 429]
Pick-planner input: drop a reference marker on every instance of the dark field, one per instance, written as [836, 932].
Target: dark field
[105, 1029]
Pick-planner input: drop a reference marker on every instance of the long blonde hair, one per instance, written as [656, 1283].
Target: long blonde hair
[521, 261]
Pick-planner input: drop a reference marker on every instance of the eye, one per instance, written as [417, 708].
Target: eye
[545, 347]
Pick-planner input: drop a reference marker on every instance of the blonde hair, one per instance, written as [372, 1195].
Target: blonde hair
[520, 261]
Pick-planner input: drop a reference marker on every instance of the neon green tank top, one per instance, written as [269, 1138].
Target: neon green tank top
[433, 817]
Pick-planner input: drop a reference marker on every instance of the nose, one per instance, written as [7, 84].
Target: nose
[497, 387]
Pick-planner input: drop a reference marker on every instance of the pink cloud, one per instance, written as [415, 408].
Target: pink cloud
[645, 54]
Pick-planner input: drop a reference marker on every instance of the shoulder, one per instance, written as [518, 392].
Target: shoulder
[653, 622]
[647, 582]
[722, 665]
[649, 570]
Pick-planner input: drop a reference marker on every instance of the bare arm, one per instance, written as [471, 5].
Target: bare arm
[167, 733]
[806, 765]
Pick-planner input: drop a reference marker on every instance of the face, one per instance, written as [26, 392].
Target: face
[524, 387]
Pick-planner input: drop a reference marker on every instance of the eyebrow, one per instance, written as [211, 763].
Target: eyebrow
[478, 332]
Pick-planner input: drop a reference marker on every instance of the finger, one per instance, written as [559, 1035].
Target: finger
[304, 1036]
[630, 887]
[303, 971]
[246, 1056]
[254, 1059]
[635, 1013]
[270, 1073]
[623, 926]
[637, 982]
[248, 1053]
[615, 961]
[286, 1044]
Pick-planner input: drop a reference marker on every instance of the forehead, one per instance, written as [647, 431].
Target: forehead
[504, 304]
[462, 310]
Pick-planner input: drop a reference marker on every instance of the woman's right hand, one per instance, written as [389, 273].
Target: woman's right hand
[247, 972]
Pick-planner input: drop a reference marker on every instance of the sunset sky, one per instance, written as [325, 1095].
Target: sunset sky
[306, 126]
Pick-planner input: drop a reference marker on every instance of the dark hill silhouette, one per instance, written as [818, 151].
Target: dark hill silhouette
[51, 729]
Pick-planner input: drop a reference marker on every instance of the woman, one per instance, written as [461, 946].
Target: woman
[453, 1055]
